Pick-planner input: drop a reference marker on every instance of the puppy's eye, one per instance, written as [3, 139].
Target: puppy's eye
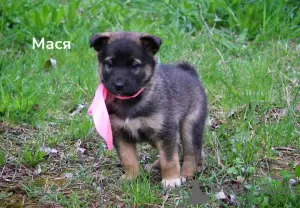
[109, 63]
[135, 66]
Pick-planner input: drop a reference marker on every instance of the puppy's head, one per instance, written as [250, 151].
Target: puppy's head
[126, 60]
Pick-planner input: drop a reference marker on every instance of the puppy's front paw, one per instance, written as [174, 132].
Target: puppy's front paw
[171, 183]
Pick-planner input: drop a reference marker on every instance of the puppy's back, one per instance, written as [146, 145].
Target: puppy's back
[188, 68]
[180, 89]
[181, 77]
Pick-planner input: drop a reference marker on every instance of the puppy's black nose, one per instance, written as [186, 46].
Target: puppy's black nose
[119, 85]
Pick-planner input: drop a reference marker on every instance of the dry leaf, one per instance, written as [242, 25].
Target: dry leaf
[220, 195]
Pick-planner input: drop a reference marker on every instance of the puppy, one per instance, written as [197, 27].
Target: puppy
[162, 104]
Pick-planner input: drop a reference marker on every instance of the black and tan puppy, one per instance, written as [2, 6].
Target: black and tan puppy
[169, 112]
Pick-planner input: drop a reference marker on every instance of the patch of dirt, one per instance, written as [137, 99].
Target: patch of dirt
[63, 171]
[287, 158]
[274, 114]
[7, 130]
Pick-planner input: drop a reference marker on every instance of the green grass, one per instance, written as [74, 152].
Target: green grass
[247, 56]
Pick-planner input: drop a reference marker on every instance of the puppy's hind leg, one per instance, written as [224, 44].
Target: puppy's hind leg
[198, 140]
[189, 163]
[192, 138]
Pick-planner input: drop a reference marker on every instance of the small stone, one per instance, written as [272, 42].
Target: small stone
[240, 179]
[38, 170]
[78, 143]
[53, 151]
[230, 113]
[48, 150]
[76, 110]
[50, 63]
[232, 199]
[69, 175]
[144, 158]
[99, 188]
[292, 182]
[81, 150]
[53, 63]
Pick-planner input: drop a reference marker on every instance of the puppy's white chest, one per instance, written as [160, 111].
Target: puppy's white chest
[133, 125]
[140, 124]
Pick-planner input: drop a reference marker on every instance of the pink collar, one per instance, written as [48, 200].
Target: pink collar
[129, 97]
[100, 114]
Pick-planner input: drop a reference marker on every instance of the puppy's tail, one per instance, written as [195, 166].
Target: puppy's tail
[188, 68]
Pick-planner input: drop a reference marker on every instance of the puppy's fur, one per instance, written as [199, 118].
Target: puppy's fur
[168, 113]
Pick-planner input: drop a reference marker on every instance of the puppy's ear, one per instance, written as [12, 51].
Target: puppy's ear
[151, 43]
[97, 41]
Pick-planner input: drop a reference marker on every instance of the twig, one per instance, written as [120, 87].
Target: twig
[220, 55]
[2, 170]
[23, 201]
[206, 25]
[217, 151]
[116, 196]
[165, 200]
[218, 158]
[76, 85]
[285, 92]
[285, 149]
[214, 24]
[211, 33]
[152, 205]
[292, 81]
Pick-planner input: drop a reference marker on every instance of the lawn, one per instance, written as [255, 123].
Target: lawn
[246, 54]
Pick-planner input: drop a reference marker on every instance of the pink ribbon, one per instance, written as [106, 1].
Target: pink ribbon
[100, 114]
